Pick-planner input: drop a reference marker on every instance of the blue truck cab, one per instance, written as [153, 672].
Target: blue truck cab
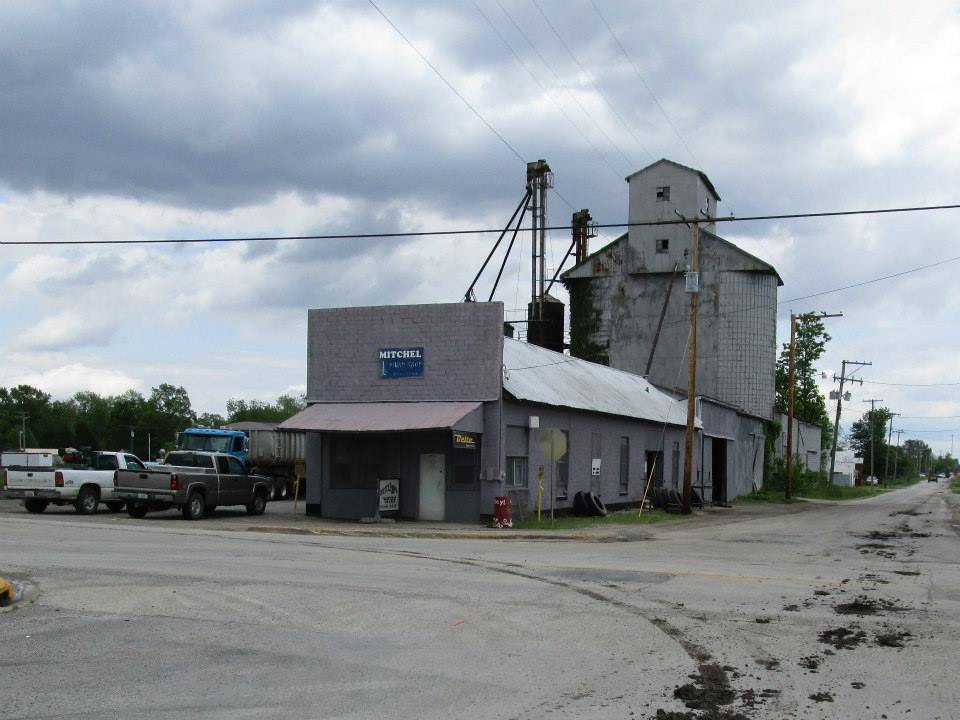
[233, 442]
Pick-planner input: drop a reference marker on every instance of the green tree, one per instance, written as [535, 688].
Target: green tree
[261, 411]
[872, 428]
[808, 402]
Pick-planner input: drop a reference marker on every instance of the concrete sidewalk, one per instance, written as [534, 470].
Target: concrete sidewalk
[280, 517]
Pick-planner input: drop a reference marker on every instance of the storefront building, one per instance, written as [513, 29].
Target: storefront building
[429, 413]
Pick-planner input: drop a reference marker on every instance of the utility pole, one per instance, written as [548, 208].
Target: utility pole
[693, 287]
[886, 455]
[790, 385]
[836, 423]
[23, 429]
[873, 402]
[897, 453]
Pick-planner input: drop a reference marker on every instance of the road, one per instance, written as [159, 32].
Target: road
[826, 611]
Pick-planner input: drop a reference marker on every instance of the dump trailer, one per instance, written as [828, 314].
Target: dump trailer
[277, 454]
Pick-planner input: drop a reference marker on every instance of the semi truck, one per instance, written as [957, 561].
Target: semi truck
[278, 454]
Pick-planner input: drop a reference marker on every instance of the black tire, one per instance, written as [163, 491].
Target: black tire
[115, 506]
[595, 505]
[87, 500]
[194, 506]
[258, 504]
[136, 511]
[34, 505]
[579, 504]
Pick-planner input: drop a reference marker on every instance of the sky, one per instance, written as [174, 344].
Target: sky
[244, 118]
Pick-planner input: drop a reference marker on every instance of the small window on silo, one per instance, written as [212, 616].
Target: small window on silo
[663, 193]
[663, 245]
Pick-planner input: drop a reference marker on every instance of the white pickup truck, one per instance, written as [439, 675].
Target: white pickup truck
[83, 486]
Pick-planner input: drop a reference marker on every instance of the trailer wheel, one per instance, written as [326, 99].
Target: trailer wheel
[87, 500]
[33, 505]
[258, 504]
[194, 506]
[136, 511]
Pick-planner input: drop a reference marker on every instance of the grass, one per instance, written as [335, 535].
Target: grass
[571, 522]
[955, 485]
[816, 489]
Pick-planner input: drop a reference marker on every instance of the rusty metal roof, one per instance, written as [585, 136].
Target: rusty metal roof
[536, 374]
[379, 416]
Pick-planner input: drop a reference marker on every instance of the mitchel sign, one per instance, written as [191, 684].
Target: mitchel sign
[401, 362]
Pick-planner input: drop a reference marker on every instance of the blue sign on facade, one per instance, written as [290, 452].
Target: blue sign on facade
[401, 362]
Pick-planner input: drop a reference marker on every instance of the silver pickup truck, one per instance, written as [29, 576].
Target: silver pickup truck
[195, 482]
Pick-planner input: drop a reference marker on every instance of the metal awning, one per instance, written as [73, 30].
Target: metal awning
[379, 416]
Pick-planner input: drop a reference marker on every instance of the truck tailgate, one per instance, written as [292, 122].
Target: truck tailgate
[142, 480]
[23, 478]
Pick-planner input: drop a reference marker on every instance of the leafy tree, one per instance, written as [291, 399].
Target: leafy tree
[918, 454]
[211, 420]
[872, 428]
[260, 411]
[808, 402]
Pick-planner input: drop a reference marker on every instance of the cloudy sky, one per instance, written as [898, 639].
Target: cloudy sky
[214, 118]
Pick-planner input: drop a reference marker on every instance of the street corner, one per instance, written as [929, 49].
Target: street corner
[14, 593]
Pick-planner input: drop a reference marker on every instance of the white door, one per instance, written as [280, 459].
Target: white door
[432, 486]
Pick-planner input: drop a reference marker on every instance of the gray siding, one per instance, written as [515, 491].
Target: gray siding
[644, 436]
[463, 347]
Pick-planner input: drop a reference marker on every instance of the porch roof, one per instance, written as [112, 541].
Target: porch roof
[379, 416]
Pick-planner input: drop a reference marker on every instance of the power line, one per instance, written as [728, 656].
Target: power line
[543, 88]
[488, 231]
[875, 280]
[446, 82]
[643, 81]
[562, 84]
[918, 385]
[589, 76]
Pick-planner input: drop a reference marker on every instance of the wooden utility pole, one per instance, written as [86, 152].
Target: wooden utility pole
[790, 386]
[873, 402]
[836, 423]
[886, 455]
[693, 287]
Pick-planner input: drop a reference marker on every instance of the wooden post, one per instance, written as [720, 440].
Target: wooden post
[790, 383]
[692, 380]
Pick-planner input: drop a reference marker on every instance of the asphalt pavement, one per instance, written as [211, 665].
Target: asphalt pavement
[813, 610]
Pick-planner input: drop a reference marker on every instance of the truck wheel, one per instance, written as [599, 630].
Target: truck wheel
[136, 511]
[35, 506]
[258, 504]
[194, 507]
[87, 500]
[115, 506]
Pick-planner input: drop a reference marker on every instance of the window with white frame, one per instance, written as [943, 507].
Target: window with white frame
[517, 444]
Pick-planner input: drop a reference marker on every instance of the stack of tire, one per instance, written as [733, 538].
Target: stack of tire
[588, 504]
[669, 499]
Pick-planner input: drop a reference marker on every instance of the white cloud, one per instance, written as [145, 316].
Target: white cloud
[65, 380]
[64, 331]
